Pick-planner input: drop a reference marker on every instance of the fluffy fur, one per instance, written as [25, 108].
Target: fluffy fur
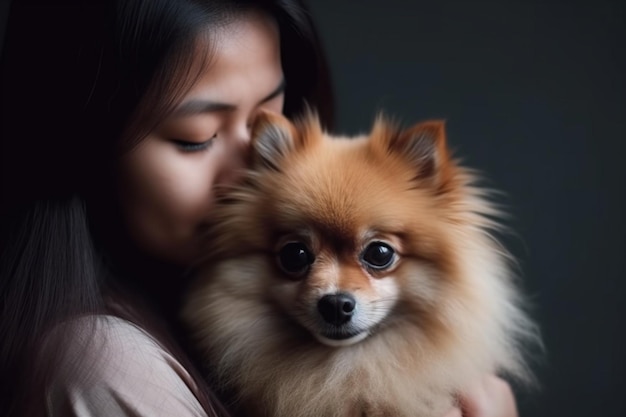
[441, 313]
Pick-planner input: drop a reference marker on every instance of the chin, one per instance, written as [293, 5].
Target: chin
[354, 277]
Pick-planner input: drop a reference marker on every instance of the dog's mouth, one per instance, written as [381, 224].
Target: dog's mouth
[341, 337]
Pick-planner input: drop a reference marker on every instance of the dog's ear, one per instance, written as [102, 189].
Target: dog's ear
[425, 146]
[422, 145]
[273, 137]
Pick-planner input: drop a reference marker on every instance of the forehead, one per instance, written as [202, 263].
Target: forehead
[253, 33]
[243, 54]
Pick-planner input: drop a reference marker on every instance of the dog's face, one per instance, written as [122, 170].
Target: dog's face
[353, 234]
[360, 269]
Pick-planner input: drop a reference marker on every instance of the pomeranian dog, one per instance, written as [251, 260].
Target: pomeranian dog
[354, 277]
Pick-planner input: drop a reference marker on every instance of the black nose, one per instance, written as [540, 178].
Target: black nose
[336, 309]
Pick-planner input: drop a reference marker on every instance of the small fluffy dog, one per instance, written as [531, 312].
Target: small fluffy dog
[354, 277]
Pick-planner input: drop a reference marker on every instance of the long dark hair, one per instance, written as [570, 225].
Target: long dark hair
[81, 83]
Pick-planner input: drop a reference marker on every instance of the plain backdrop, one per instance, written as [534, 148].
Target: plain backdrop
[534, 95]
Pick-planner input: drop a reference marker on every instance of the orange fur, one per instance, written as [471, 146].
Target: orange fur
[442, 314]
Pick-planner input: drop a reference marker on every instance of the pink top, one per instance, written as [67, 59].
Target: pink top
[127, 373]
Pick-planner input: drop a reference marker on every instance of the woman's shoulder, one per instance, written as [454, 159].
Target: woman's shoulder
[112, 367]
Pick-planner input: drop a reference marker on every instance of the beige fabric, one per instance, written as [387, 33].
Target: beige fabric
[125, 372]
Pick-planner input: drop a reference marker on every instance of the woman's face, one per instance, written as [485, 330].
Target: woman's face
[167, 182]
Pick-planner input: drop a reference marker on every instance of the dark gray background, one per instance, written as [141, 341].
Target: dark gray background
[534, 94]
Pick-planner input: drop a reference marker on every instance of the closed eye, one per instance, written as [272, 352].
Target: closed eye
[187, 146]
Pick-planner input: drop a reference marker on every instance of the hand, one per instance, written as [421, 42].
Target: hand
[490, 397]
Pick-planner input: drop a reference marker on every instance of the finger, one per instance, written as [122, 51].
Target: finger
[475, 402]
[455, 412]
[491, 397]
[500, 390]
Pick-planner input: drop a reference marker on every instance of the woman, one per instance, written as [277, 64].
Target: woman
[118, 118]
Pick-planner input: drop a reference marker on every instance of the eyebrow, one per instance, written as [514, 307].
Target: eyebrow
[199, 106]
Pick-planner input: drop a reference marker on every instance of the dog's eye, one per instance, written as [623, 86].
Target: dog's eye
[378, 255]
[295, 258]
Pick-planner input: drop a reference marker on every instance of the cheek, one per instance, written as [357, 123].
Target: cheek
[421, 284]
[165, 196]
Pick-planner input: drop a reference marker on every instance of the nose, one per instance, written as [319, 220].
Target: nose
[236, 156]
[336, 309]
[241, 132]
